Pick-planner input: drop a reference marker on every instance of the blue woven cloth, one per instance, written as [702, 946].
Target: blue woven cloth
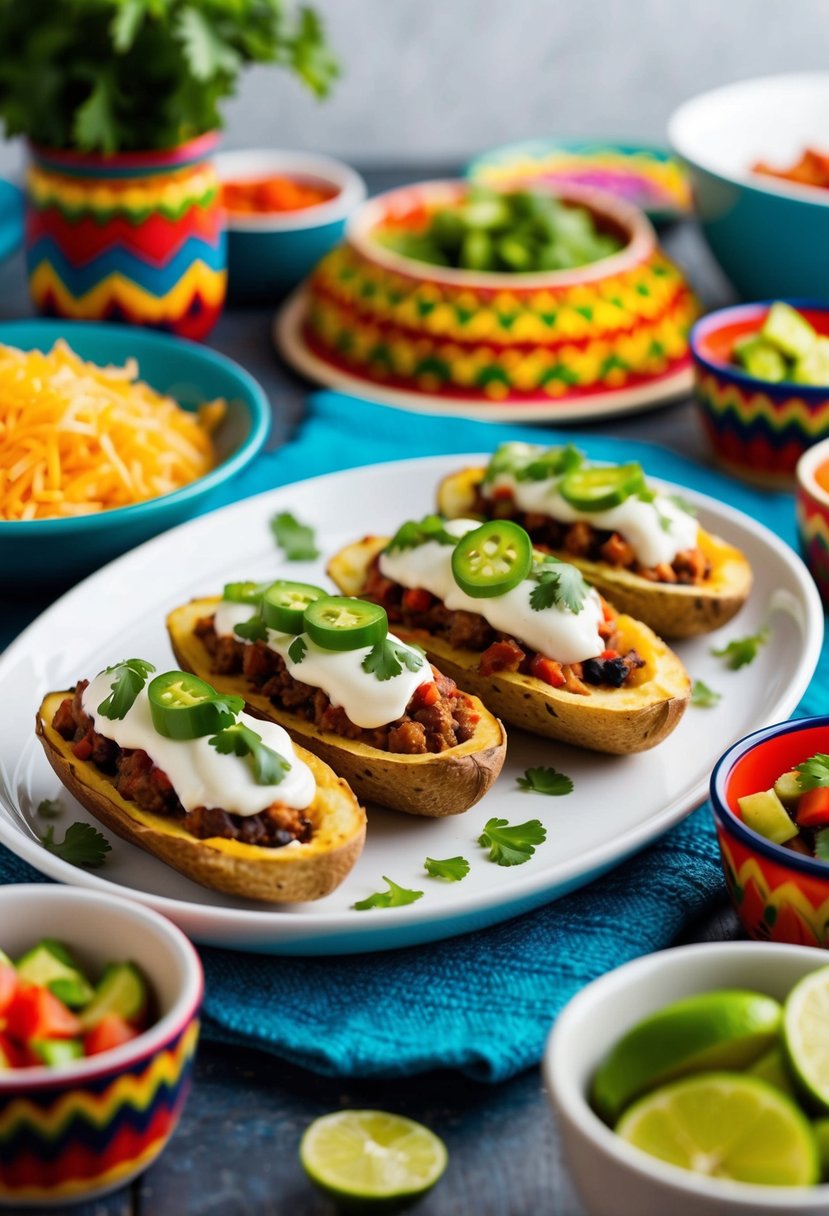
[482, 1003]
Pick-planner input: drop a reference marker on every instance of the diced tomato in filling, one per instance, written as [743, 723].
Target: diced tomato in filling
[426, 694]
[13, 1055]
[36, 1013]
[547, 670]
[8, 987]
[504, 655]
[83, 748]
[111, 1031]
[415, 599]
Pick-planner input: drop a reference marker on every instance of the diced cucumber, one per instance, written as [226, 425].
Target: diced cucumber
[121, 990]
[788, 330]
[518, 254]
[55, 1052]
[50, 965]
[813, 367]
[476, 251]
[787, 788]
[760, 358]
[765, 813]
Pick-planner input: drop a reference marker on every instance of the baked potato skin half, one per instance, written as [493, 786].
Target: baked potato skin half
[432, 785]
[672, 610]
[275, 875]
[617, 721]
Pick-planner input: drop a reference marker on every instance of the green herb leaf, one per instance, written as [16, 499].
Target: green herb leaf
[395, 897]
[297, 649]
[814, 772]
[555, 462]
[703, 696]
[742, 651]
[387, 659]
[545, 780]
[82, 845]
[512, 844]
[96, 122]
[414, 533]
[296, 540]
[453, 869]
[253, 630]
[822, 844]
[126, 24]
[269, 768]
[559, 585]
[205, 49]
[50, 808]
[129, 678]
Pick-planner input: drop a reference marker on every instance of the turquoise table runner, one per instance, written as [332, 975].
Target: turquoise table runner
[482, 1003]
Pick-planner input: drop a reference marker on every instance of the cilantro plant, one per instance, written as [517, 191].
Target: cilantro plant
[545, 780]
[82, 845]
[125, 75]
[296, 540]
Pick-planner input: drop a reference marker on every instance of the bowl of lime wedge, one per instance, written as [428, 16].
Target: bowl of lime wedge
[695, 1082]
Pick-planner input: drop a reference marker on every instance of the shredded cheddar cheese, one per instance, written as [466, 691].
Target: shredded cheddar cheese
[76, 438]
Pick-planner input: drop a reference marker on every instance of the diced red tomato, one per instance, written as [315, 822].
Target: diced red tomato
[83, 748]
[547, 670]
[36, 1013]
[501, 493]
[111, 1031]
[813, 808]
[425, 694]
[415, 599]
[609, 654]
[8, 987]
[12, 1055]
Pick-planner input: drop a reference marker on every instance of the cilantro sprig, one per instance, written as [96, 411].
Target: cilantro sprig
[822, 844]
[555, 462]
[558, 585]
[813, 773]
[512, 844]
[50, 808]
[128, 678]
[269, 768]
[395, 897]
[704, 697]
[545, 780]
[82, 845]
[296, 540]
[741, 651]
[252, 630]
[417, 532]
[452, 869]
[297, 649]
[387, 659]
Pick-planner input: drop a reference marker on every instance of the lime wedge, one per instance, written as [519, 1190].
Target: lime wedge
[727, 1029]
[371, 1158]
[773, 1068]
[726, 1126]
[806, 1035]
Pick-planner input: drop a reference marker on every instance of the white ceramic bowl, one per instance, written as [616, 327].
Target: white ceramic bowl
[612, 1177]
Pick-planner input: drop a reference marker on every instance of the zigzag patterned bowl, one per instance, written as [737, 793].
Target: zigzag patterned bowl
[73, 1133]
[757, 430]
[812, 502]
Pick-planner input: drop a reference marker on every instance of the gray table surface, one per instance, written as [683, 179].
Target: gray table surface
[235, 1151]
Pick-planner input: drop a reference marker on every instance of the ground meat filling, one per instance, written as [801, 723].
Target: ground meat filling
[438, 716]
[690, 567]
[138, 780]
[418, 609]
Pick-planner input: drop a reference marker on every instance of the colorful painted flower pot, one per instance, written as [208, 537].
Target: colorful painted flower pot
[779, 895]
[467, 337]
[136, 237]
[812, 503]
[757, 429]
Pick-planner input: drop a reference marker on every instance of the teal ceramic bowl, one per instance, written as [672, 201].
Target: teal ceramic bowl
[771, 237]
[55, 551]
[270, 254]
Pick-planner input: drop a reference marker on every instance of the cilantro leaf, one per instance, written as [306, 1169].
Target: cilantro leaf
[742, 651]
[129, 678]
[545, 780]
[228, 705]
[395, 897]
[252, 630]
[297, 649]
[82, 845]
[512, 844]
[555, 462]
[387, 659]
[126, 24]
[414, 533]
[96, 122]
[205, 49]
[814, 772]
[703, 696]
[269, 768]
[453, 869]
[50, 808]
[296, 540]
[558, 585]
[822, 844]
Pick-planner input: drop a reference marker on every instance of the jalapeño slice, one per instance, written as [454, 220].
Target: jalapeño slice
[598, 488]
[244, 593]
[284, 604]
[492, 559]
[184, 707]
[341, 623]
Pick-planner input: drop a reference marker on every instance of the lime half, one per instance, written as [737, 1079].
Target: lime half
[728, 1029]
[806, 1034]
[726, 1126]
[369, 1157]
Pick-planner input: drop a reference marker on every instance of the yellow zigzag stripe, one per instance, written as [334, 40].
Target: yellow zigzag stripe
[730, 399]
[116, 289]
[163, 191]
[130, 1090]
[788, 894]
[65, 1190]
[815, 528]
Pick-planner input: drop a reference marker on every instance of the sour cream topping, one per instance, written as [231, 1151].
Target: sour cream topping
[200, 775]
[555, 632]
[657, 531]
[366, 701]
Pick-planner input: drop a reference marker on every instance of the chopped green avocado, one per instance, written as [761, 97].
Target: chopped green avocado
[765, 813]
[786, 348]
[50, 965]
[788, 330]
[120, 990]
[813, 367]
[55, 1052]
[788, 790]
[760, 358]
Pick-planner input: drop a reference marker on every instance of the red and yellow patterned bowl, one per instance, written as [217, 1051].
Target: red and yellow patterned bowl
[779, 895]
[812, 502]
[476, 338]
[73, 1133]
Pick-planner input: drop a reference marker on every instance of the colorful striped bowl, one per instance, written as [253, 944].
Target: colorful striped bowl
[136, 237]
[812, 503]
[779, 895]
[80, 1131]
[757, 430]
